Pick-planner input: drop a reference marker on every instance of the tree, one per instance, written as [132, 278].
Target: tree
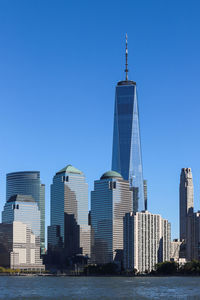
[167, 268]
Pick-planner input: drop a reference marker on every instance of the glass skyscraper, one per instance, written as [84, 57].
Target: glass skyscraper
[126, 154]
[69, 228]
[28, 183]
[22, 208]
[110, 201]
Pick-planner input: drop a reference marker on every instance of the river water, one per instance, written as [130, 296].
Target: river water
[61, 288]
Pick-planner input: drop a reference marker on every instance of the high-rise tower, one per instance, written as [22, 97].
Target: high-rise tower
[28, 183]
[69, 232]
[186, 200]
[110, 201]
[126, 154]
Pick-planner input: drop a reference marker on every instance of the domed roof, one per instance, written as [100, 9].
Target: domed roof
[70, 169]
[111, 174]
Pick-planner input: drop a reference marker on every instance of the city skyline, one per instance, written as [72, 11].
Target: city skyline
[42, 66]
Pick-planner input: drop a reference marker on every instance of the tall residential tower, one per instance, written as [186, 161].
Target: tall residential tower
[126, 153]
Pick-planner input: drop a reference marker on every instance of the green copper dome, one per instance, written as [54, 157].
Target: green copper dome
[111, 174]
[69, 169]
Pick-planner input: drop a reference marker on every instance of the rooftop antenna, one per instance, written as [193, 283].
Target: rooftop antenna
[126, 70]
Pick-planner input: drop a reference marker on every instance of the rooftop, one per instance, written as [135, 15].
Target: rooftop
[126, 82]
[111, 174]
[69, 169]
[21, 198]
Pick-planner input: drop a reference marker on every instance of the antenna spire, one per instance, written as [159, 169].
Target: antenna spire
[126, 70]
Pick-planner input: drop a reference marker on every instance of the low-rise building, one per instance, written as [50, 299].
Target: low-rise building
[175, 249]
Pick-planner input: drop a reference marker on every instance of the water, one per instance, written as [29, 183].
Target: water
[73, 288]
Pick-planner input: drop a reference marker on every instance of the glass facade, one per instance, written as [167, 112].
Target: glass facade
[69, 212]
[22, 208]
[110, 201]
[28, 183]
[126, 154]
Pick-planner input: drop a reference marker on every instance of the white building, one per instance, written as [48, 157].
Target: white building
[147, 239]
[175, 249]
[19, 247]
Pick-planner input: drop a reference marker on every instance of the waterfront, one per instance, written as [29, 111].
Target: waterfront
[33, 288]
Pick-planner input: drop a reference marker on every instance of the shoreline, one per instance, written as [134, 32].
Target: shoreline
[96, 275]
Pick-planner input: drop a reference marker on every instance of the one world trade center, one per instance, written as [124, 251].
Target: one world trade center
[126, 153]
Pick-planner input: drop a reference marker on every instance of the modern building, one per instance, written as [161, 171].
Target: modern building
[126, 152]
[110, 201]
[22, 208]
[147, 241]
[69, 232]
[145, 194]
[193, 236]
[186, 200]
[42, 217]
[28, 183]
[175, 250]
[19, 247]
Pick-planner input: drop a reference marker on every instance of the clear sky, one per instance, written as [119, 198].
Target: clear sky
[59, 65]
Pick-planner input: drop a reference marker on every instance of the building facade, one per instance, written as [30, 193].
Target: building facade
[126, 153]
[175, 250]
[193, 236]
[19, 247]
[42, 217]
[186, 200]
[147, 241]
[145, 194]
[69, 231]
[28, 183]
[110, 201]
[22, 208]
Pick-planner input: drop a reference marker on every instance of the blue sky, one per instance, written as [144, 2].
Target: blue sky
[59, 64]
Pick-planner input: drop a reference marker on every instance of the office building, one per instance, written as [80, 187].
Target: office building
[28, 183]
[110, 201]
[69, 232]
[19, 247]
[145, 194]
[186, 200]
[193, 236]
[147, 241]
[22, 208]
[126, 153]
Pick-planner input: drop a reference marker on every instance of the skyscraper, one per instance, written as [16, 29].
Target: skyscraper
[69, 232]
[110, 201]
[145, 194]
[28, 183]
[147, 241]
[193, 236]
[186, 200]
[23, 208]
[42, 217]
[126, 154]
